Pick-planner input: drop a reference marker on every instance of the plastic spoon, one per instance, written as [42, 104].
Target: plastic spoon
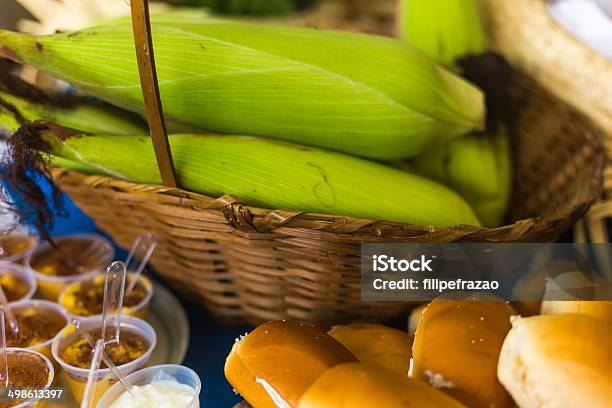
[9, 315]
[109, 363]
[114, 290]
[142, 249]
[93, 372]
[3, 357]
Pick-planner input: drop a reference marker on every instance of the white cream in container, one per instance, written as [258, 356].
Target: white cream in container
[159, 394]
[165, 386]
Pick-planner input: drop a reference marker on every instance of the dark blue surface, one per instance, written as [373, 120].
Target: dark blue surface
[210, 341]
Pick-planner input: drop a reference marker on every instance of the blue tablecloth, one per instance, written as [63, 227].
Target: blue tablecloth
[210, 341]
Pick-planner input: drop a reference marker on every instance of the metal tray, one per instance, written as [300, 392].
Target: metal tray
[169, 319]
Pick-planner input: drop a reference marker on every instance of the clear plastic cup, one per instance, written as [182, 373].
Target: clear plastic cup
[76, 377]
[11, 276]
[42, 305]
[140, 310]
[16, 246]
[172, 372]
[50, 286]
[35, 402]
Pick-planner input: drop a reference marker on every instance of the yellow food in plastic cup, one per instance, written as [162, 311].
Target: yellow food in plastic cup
[18, 283]
[17, 245]
[76, 377]
[44, 347]
[140, 310]
[50, 281]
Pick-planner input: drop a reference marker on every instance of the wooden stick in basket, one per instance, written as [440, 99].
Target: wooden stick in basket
[150, 90]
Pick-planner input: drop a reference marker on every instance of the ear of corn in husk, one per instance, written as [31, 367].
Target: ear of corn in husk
[83, 117]
[57, 161]
[446, 30]
[276, 175]
[365, 95]
[479, 167]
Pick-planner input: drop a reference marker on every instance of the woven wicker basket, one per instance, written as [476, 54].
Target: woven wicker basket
[253, 264]
[525, 32]
[250, 264]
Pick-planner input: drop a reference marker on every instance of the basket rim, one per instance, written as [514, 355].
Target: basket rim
[251, 219]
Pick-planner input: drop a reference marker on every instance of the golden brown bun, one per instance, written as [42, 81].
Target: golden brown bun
[456, 348]
[532, 287]
[599, 309]
[377, 345]
[415, 318]
[278, 361]
[558, 361]
[572, 288]
[357, 385]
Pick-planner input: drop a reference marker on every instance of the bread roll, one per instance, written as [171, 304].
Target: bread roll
[277, 362]
[530, 289]
[532, 285]
[568, 294]
[599, 309]
[456, 348]
[558, 361]
[356, 385]
[377, 345]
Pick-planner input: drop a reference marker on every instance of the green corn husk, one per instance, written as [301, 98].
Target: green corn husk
[83, 117]
[477, 166]
[446, 30]
[272, 174]
[366, 95]
[57, 161]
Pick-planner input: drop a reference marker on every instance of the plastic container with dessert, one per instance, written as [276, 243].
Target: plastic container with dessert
[84, 299]
[73, 353]
[17, 245]
[39, 322]
[17, 283]
[77, 259]
[29, 370]
[168, 385]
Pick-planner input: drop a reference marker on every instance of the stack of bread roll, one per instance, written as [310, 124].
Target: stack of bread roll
[456, 353]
